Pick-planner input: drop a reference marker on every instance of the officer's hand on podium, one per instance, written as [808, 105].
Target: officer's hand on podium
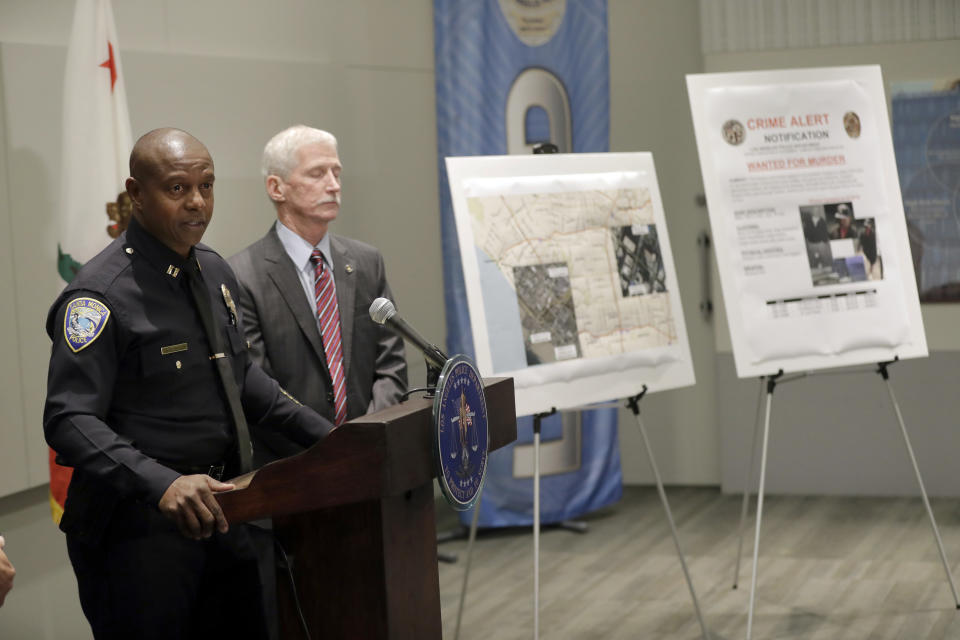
[190, 502]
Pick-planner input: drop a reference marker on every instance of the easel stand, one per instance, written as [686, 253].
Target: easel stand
[633, 403]
[575, 526]
[882, 370]
[537, 418]
[466, 569]
[746, 484]
[771, 384]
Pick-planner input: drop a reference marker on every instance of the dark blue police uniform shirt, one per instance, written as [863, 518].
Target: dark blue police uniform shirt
[144, 390]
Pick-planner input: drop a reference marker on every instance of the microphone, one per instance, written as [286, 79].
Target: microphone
[383, 312]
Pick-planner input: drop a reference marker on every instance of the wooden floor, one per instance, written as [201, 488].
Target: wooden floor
[830, 569]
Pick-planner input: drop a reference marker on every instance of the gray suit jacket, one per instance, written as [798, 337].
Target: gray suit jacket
[281, 327]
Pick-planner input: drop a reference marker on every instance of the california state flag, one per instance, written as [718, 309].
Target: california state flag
[96, 150]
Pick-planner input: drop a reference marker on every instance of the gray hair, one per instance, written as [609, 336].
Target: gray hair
[280, 154]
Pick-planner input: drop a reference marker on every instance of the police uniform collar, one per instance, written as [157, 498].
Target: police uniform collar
[141, 242]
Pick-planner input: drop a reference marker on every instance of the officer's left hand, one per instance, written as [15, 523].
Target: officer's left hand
[190, 502]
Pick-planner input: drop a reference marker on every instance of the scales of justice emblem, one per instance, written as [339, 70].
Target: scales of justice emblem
[461, 437]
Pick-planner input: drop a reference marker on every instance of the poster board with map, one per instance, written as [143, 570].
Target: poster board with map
[807, 218]
[569, 276]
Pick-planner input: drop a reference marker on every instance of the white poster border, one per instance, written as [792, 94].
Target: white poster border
[909, 340]
[579, 382]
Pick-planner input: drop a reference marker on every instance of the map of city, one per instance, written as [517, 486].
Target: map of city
[586, 268]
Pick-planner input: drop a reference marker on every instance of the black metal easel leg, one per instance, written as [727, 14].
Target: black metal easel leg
[537, 419]
[771, 385]
[882, 370]
[633, 404]
[746, 483]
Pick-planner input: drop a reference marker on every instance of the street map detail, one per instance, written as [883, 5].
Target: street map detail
[586, 268]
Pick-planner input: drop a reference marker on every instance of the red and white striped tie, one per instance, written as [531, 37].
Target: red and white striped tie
[329, 316]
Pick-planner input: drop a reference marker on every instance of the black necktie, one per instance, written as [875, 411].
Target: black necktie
[201, 298]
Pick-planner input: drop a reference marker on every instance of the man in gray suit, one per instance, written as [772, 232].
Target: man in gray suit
[306, 293]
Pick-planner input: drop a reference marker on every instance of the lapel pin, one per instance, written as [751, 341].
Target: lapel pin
[348, 267]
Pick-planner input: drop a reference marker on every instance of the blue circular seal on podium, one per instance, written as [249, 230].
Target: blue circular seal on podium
[461, 440]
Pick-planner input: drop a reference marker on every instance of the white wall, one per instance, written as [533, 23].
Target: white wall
[838, 434]
[364, 71]
[365, 75]
[43, 604]
[900, 62]
[233, 73]
[652, 46]
[13, 445]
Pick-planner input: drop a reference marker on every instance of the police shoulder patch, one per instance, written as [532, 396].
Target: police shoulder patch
[83, 322]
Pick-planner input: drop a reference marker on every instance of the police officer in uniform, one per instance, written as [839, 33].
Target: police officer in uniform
[149, 387]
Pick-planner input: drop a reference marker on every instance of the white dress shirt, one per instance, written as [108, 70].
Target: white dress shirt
[300, 251]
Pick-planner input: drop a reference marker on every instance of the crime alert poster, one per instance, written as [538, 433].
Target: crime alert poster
[807, 219]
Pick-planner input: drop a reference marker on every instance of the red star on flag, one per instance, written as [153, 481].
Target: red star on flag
[110, 63]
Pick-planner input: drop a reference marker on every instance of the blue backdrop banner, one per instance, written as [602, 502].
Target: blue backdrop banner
[511, 74]
[926, 139]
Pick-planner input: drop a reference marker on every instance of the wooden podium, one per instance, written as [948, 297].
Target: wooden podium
[355, 513]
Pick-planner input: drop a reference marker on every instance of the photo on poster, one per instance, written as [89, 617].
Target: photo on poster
[569, 276]
[547, 312]
[840, 247]
[639, 261]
